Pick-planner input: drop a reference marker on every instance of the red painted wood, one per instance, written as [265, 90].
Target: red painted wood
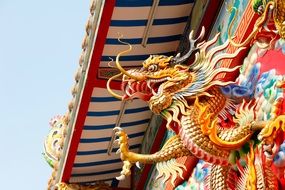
[88, 88]
[245, 32]
[101, 83]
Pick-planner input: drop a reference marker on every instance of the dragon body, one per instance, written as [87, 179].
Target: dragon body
[214, 120]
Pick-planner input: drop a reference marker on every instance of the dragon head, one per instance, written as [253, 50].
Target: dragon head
[161, 80]
[158, 83]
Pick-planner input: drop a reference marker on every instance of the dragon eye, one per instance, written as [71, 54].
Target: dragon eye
[152, 68]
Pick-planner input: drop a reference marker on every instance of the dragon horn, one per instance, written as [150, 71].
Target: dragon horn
[109, 88]
[192, 42]
[123, 71]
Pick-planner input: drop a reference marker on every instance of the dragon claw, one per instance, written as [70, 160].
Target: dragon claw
[117, 129]
[118, 151]
[122, 140]
[121, 177]
[138, 165]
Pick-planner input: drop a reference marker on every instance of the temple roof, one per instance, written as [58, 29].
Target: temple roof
[151, 28]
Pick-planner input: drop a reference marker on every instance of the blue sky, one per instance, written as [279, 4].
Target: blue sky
[40, 43]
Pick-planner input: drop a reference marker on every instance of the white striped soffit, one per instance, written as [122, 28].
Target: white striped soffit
[169, 22]
[92, 163]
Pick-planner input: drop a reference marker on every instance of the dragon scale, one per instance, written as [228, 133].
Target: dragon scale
[218, 178]
[198, 143]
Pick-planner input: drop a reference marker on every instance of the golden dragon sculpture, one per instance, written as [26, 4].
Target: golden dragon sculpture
[192, 101]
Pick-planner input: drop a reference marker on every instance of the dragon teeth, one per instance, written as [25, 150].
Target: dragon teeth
[131, 87]
[153, 92]
[148, 84]
[128, 91]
